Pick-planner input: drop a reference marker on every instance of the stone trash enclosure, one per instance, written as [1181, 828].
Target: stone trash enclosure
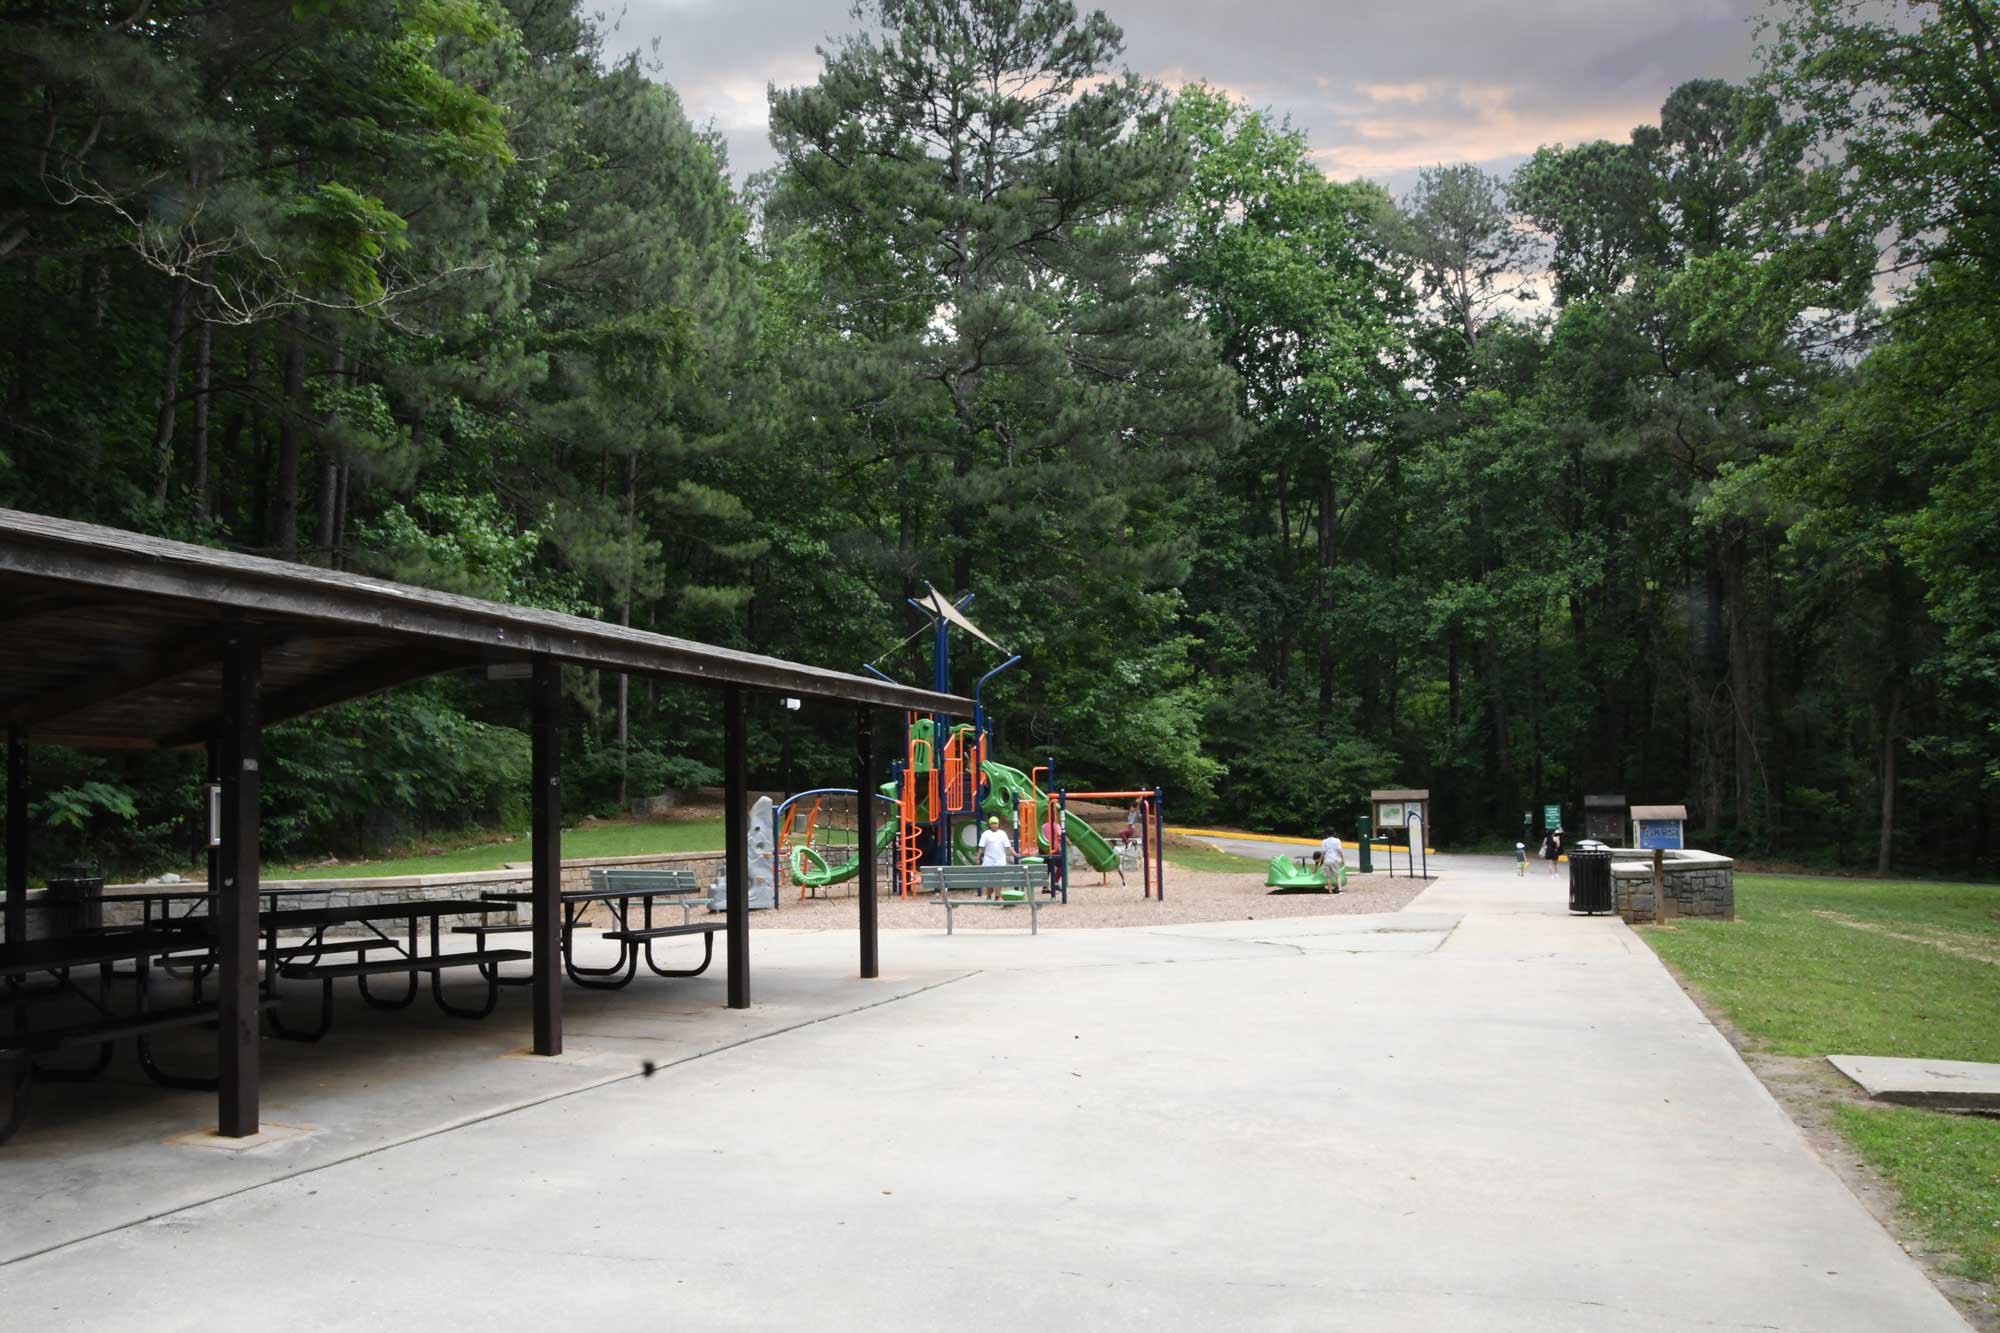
[1692, 884]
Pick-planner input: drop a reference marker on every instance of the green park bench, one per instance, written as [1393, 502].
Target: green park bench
[997, 881]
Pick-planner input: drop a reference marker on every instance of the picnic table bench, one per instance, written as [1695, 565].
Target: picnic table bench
[997, 881]
[621, 890]
[57, 958]
[404, 958]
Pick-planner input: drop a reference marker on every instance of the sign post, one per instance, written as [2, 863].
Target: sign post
[1552, 818]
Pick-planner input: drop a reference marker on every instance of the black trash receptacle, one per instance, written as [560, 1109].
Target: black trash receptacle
[75, 901]
[1590, 877]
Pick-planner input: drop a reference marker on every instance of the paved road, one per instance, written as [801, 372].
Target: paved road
[1478, 1114]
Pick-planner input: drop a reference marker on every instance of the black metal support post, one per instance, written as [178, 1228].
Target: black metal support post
[17, 835]
[736, 843]
[235, 909]
[545, 858]
[864, 830]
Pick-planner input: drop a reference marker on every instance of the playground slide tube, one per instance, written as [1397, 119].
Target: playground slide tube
[810, 868]
[1011, 786]
[888, 794]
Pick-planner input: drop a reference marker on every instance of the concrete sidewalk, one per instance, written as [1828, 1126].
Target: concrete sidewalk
[1477, 1114]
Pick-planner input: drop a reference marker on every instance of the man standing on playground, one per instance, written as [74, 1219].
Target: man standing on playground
[1332, 860]
[995, 847]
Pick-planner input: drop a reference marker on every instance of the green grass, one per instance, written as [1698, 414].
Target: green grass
[623, 839]
[1200, 856]
[1948, 1168]
[1816, 967]
[1808, 970]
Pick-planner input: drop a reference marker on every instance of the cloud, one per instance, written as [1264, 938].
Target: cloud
[1381, 90]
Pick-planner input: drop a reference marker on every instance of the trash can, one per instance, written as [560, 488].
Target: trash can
[75, 899]
[1590, 877]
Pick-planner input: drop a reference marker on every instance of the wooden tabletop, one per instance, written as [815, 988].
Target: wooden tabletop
[111, 946]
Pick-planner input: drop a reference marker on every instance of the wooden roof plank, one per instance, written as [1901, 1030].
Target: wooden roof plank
[94, 560]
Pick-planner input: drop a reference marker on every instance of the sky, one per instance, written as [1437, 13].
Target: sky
[1382, 89]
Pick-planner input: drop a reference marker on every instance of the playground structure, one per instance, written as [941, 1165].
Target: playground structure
[1286, 873]
[819, 851]
[944, 787]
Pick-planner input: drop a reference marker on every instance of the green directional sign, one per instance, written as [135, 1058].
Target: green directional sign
[1552, 816]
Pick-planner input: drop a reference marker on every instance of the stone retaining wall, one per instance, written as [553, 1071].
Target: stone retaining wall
[1695, 884]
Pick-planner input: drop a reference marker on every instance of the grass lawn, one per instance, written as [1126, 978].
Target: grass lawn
[621, 839]
[1816, 967]
[1201, 856]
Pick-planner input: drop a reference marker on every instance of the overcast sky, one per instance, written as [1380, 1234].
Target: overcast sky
[1381, 88]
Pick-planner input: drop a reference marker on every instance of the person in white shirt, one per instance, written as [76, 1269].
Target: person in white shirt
[1332, 863]
[995, 847]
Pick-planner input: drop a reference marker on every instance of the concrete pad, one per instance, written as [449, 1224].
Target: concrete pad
[268, 1132]
[1520, 935]
[1942, 1085]
[94, 1157]
[1108, 1129]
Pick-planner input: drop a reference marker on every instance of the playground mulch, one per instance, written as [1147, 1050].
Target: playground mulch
[1192, 895]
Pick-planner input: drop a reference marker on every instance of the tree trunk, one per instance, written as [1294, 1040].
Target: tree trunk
[340, 512]
[1892, 721]
[291, 439]
[1499, 768]
[170, 379]
[625, 619]
[1751, 781]
[329, 470]
[1329, 557]
[204, 356]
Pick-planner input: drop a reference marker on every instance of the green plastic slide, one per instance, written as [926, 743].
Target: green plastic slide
[1285, 873]
[810, 868]
[1010, 786]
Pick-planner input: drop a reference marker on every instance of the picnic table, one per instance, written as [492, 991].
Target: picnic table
[624, 892]
[186, 941]
[21, 1044]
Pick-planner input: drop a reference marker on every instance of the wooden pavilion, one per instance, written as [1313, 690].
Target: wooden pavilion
[113, 639]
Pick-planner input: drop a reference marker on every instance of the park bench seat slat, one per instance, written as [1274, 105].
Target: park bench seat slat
[665, 932]
[52, 1040]
[388, 966]
[658, 882]
[205, 955]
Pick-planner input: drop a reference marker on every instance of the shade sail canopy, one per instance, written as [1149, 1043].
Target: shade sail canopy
[111, 638]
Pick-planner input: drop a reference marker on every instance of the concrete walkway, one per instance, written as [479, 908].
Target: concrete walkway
[1477, 1114]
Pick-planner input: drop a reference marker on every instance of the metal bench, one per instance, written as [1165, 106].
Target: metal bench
[479, 933]
[17, 1054]
[677, 884]
[486, 960]
[59, 958]
[681, 886]
[1028, 880]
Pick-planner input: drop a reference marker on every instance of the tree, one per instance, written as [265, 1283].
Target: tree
[980, 169]
[1466, 248]
[1591, 203]
[1302, 288]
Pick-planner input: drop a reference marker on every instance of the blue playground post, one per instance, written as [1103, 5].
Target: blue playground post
[1062, 828]
[1160, 840]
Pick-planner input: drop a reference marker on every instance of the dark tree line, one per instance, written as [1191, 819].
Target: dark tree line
[1646, 469]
